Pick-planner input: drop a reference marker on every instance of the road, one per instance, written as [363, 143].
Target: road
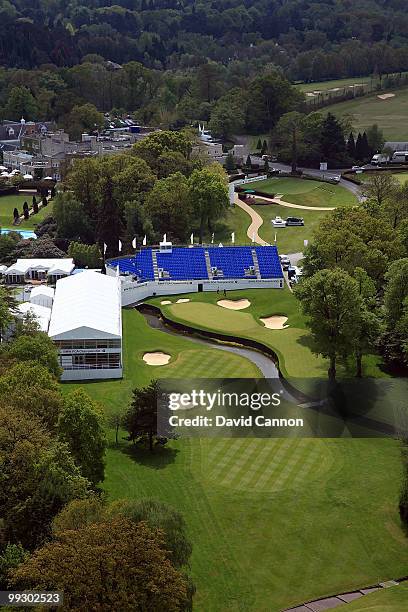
[320, 174]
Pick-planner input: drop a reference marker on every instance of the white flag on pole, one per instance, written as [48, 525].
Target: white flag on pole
[164, 237]
[275, 236]
[145, 240]
[253, 237]
[192, 238]
[117, 270]
[105, 246]
[134, 242]
[233, 237]
[212, 239]
[120, 246]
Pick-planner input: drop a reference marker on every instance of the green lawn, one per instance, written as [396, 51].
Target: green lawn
[289, 239]
[390, 115]
[306, 192]
[273, 522]
[325, 86]
[402, 177]
[393, 599]
[9, 202]
[292, 345]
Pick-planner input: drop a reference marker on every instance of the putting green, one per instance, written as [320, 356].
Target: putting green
[306, 192]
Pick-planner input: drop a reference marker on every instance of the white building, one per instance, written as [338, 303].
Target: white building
[42, 295]
[50, 270]
[42, 314]
[86, 326]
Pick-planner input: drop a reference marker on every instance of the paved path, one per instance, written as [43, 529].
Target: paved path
[256, 222]
[328, 603]
[280, 202]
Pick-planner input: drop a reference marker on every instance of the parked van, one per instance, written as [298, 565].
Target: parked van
[379, 159]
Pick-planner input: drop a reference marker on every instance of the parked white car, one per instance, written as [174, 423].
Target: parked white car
[278, 222]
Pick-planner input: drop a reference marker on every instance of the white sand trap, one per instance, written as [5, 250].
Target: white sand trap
[275, 322]
[182, 301]
[234, 304]
[386, 96]
[165, 302]
[156, 359]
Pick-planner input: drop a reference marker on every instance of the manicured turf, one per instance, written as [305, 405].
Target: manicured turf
[307, 192]
[9, 202]
[402, 177]
[393, 599]
[289, 239]
[188, 360]
[390, 115]
[327, 85]
[292, 345]
[273, 522]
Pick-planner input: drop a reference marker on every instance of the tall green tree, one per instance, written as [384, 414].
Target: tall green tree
[209, 197]
[170, 207]
[331, 302]
[80, 426]
[332, 142]
[290, 129]
[109, 227]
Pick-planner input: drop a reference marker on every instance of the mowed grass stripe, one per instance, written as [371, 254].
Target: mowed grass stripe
[227, 460]
[294, 466]
[241, 464]
[244, 477]
[268, 477]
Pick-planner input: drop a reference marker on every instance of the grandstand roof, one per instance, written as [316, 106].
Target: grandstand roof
[87, 306]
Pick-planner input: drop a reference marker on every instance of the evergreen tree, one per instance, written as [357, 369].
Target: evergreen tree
[109, 226]
[359, 148]
[264, 148]
[259, 145]
[332, 141]
[351, 146]
[229, 163]
[248, 161]
[365, 147]
[16, 214]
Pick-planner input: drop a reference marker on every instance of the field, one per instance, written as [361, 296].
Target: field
[306, 192]
[9, 202]
[273, 522]
[341, 83]
[393, 599]
[288, 239]
[390, 115]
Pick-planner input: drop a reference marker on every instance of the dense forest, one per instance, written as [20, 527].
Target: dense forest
[308, 40]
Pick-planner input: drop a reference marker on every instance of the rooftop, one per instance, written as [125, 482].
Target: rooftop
[87, 306]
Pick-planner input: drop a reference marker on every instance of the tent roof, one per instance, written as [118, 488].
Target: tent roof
[22, 266]
[87, 306]
[41, 313]
[42, 290]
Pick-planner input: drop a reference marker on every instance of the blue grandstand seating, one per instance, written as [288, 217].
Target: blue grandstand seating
[269, 263]
[233, 261]
[183, 263]
[190, 263]
[141, 265]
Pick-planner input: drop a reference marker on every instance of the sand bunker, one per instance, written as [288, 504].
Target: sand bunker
[386, 96]
[182, 301]
[234, 304]
[165, 302]
[156, 359]
[275, 322]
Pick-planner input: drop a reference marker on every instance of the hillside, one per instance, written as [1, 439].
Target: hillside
[310, 41]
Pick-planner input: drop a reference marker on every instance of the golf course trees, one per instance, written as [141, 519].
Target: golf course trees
[140, 420]
[80, 426]
[209, 196]
[116, 564]
[332, 141]
[109, 227]
[7, 306]
[380, 186]
[394, 343]
[289, 129]
[154, 145]
[369, 324]
[228, 116]
[170, 207]
[331, 301]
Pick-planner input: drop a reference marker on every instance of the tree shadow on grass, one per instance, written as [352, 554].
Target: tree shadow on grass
[158, 459]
